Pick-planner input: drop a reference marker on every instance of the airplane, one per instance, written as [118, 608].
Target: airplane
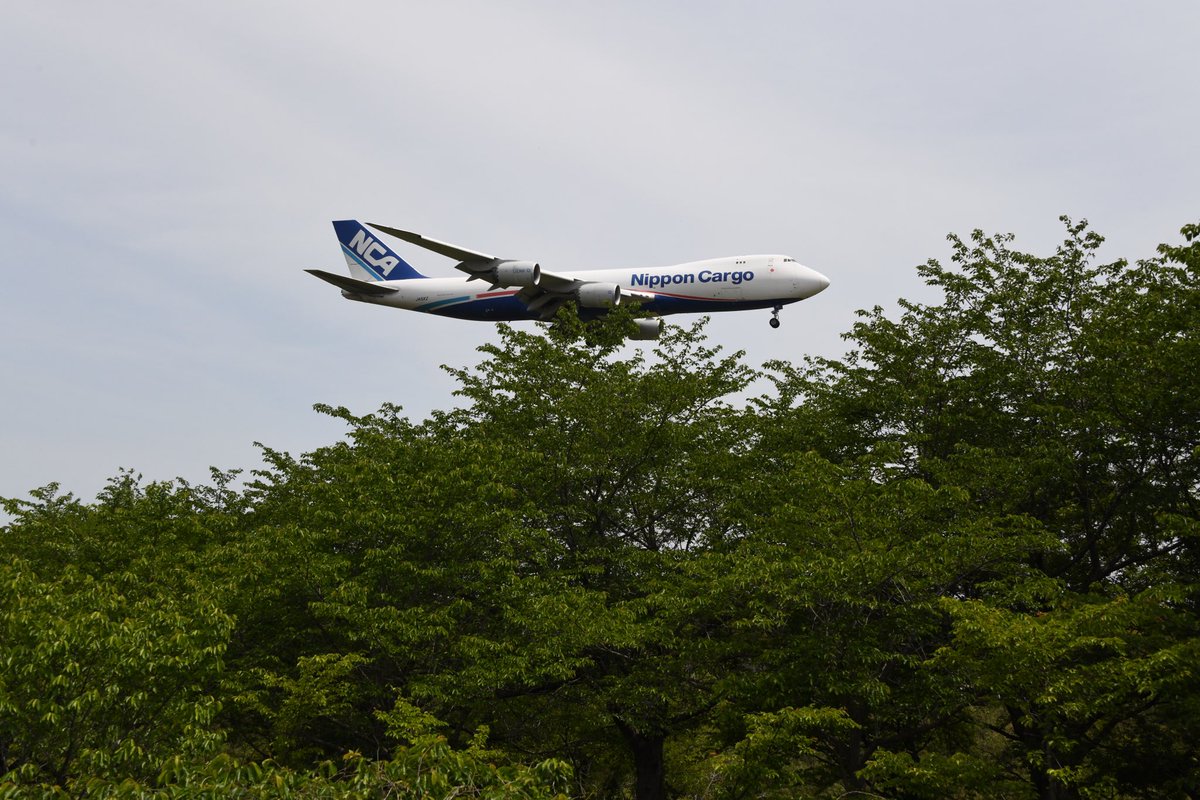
[521, 290]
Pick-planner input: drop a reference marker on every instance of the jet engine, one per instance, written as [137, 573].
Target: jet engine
[647, 329]
[598, 295]
[517, 273]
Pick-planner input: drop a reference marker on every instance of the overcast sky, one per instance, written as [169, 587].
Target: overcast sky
[169, 169]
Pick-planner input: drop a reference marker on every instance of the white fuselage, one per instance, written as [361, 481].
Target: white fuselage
[718, 284]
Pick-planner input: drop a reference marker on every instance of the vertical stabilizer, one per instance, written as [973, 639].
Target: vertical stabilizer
[368, 258]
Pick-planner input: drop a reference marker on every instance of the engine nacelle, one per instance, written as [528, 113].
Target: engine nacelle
[598, 295]
[647, 329]
[517, 273]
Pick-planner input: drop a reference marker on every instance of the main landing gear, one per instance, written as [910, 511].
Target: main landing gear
[775, 316]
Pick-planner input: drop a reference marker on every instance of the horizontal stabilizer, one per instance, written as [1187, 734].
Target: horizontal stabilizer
[351, 284]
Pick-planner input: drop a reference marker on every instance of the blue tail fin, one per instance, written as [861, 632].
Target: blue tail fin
[368, 258]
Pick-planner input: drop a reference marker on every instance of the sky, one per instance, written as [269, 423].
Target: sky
[168, 170]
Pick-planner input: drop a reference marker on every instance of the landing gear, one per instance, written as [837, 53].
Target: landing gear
[774, 322]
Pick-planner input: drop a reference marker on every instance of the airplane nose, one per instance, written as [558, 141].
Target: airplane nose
[822, 282]
[812, 282]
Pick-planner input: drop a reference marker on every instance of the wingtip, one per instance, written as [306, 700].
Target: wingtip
[387, 229]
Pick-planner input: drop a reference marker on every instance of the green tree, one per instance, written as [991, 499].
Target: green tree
[835, 597]
[518, 560]
[1057, 394]
[97, 683]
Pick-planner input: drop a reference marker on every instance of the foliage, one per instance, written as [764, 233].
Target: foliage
[96, 683]
[429, 768]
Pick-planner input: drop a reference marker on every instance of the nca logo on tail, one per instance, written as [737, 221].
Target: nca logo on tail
[370, 250]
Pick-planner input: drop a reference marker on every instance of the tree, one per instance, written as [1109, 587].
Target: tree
[1055, 394]
[96, 683]
[835, 595]
[452, 565]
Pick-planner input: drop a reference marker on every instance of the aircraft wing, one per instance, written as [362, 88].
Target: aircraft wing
[553, 290]
[480, 266]
[441, 248]
[542, 292]
[545, 302]
[636, 296]
[559, 284]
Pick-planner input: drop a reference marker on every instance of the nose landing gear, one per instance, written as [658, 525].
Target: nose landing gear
[774, 322]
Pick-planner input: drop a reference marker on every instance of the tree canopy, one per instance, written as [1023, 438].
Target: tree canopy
[961, 561]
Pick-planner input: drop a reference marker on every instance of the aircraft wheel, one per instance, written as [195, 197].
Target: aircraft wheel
[774, 322]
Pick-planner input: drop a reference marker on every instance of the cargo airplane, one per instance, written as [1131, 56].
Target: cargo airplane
[517, 290]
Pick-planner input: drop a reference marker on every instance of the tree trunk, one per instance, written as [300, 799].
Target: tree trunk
[649, 770]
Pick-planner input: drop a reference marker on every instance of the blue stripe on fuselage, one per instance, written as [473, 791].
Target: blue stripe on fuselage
[493, 309]
[665, 304]
[509, 308]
